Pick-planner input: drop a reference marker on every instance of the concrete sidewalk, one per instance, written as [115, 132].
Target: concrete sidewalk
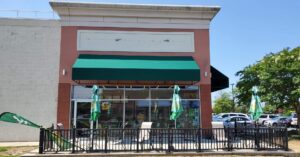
[181, 154]
[18, 144]
[34, 153]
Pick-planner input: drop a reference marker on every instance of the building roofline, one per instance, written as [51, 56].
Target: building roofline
[165, 7]
[67, 8]
[134, 15]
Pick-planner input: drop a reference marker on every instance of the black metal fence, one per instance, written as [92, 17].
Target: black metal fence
[170, 140]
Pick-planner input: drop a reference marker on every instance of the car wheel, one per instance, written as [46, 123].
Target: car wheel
[274, 124]
[263, 123]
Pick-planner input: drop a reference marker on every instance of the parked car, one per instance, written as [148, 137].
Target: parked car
[294, 119]
[278, 121]
[265, 117]
[226, 115]
[215, 118]
[239, 120]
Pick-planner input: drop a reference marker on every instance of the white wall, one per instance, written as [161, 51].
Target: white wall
[29, 63]
[92, 40]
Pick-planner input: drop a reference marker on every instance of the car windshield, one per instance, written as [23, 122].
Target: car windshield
[225, 115]
[263, 116]
[275, 118]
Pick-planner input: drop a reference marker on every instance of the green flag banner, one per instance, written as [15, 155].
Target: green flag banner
[14, 118]
[255, 105]
[176, 107]
[95, 108]
[61, 142]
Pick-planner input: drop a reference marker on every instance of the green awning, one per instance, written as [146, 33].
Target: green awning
[135, 68]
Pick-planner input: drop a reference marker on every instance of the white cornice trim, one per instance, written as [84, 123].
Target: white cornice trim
[124, 6]
[134, 22]
[128, 15]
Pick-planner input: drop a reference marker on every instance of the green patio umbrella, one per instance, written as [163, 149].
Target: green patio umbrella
[255, 106]
[95, 106]
[176, 107]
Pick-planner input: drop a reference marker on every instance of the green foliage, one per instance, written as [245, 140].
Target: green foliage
[288, 112]
[242, 109]
[3, 149]
[269, 109]
[278, 77]
[223, 103]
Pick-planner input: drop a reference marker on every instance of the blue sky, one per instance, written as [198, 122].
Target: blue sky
[241, 34]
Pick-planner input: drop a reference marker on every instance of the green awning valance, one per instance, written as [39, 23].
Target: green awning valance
[135, 68]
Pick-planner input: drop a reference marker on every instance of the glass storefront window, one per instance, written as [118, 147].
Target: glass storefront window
[137, 111]
[111, 114]
[108, 94]
[160, 113]
[139, 105]
[189, 94]
[161, 93]
[142, 93]
[190, 116]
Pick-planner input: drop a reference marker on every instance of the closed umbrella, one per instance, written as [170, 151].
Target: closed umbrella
[95, 111]
[95, 106]
[255, 106]
[176, 107]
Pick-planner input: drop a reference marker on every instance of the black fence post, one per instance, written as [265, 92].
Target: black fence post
[41, 142]
[235, 128]
[169, 140]
[137, 139]
[49, 139]
[286, 138]
[257, 129]
[228, 138]
[73, 139]
[199, 139]
[106, 138]
[270, 135]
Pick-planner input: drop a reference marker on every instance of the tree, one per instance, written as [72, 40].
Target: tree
[278, 77]
[269, 109]
[223, 103]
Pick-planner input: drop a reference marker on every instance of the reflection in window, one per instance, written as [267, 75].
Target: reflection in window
[190, 116]
[141, 104]
[83, 115]
[142, 93]
[111, 114]
[160, 113]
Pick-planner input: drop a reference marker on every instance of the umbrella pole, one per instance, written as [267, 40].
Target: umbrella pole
[175, 123]
[97, 125]
[91, 132]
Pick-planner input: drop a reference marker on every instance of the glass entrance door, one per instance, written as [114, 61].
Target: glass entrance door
[111, 115]
[82, 113]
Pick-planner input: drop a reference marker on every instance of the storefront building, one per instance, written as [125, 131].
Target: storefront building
[135, 54]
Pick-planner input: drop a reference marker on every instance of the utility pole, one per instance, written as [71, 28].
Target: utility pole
[233, 105]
